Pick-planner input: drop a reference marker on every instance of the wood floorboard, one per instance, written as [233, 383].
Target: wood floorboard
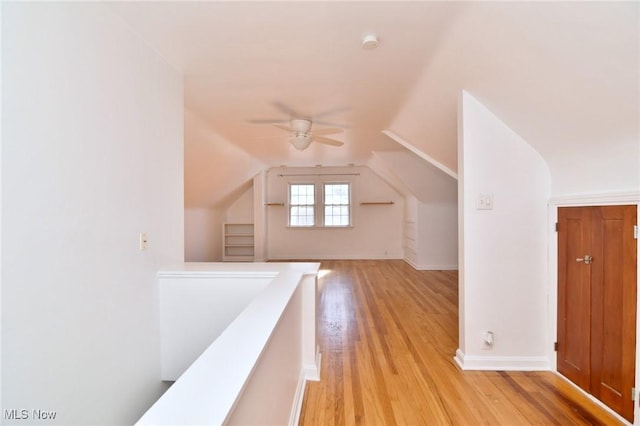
[388, 334]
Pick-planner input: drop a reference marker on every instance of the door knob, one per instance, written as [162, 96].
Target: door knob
[586, 259]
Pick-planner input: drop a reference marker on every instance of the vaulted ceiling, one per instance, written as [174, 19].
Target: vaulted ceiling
[565, 76]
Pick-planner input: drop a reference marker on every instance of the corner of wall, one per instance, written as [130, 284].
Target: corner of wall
[504, 244]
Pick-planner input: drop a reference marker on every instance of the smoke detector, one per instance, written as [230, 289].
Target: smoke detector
[370, 41]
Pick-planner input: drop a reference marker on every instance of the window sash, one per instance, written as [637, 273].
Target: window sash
[302, 205]
[320, 204]
[337, 204]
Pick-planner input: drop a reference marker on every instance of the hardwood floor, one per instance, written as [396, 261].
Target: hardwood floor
[388, 334]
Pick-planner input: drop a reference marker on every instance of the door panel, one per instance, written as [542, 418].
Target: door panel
[574, 295]
[607, 344]
[606, 332]
[613, 370]
[629, 309]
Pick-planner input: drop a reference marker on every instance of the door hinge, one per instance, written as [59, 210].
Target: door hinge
[633, 394]
[556, 226]
[635, 231]
[555, 346]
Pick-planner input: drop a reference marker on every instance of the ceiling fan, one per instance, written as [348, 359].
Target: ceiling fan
[302, 136]
[292, 114]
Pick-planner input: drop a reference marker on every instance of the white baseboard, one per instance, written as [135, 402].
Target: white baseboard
[334, 257]
[308, 373]
[312, 372]
[431, 267]
[296, 409]
[501, 363]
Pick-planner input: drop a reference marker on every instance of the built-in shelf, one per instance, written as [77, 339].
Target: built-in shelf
[376, 203]
[238, 242]
[410, 241]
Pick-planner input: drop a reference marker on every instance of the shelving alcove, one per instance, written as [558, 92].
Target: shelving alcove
[238, 242]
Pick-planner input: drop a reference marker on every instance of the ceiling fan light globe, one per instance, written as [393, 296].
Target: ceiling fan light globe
[300, 142]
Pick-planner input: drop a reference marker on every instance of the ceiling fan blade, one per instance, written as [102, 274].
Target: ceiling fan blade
[288, 110]
[329, 123]
[268, 121]
[331, 112]
[327, 131]
[327, 141]
[283, 127]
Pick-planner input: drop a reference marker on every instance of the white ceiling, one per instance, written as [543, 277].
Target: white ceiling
[561, 74]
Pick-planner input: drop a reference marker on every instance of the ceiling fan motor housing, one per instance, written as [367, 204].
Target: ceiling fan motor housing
[301, 127]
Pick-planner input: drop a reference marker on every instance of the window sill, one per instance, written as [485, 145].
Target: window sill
[320, 227]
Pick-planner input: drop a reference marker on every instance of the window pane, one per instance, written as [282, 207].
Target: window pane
[328, 218]
[301, 202]
[306, 220]
[336, 204]
[328, 198]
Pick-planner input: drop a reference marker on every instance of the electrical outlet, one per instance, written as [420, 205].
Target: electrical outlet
[487, 339]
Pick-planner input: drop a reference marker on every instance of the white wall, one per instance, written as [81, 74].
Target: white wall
[260, 216]
[241, 210]
[92, 155]
[431, 209]
[430, 234]
[1, 198]
[203, 234]
[256, 369]
[437, 228]
[274, 393]
[613, 167]
[195, 308]
[203, 226]
[212, 159]
[376, 231]
[503, 254]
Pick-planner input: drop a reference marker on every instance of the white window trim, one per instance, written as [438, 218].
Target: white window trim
[323, 205]
[319, 204]
[315, 205]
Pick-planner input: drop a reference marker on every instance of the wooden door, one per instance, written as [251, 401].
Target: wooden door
[597, 301]
[574, 295]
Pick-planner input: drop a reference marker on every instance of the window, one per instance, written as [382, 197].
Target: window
[322, 204]
[336, 204]
[302, 201]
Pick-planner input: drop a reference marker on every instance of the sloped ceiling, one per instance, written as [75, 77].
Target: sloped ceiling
[564, 75]
[410, 174]
[212, 158]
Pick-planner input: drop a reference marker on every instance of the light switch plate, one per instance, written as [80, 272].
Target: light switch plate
[144, 242]
[484, 202]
